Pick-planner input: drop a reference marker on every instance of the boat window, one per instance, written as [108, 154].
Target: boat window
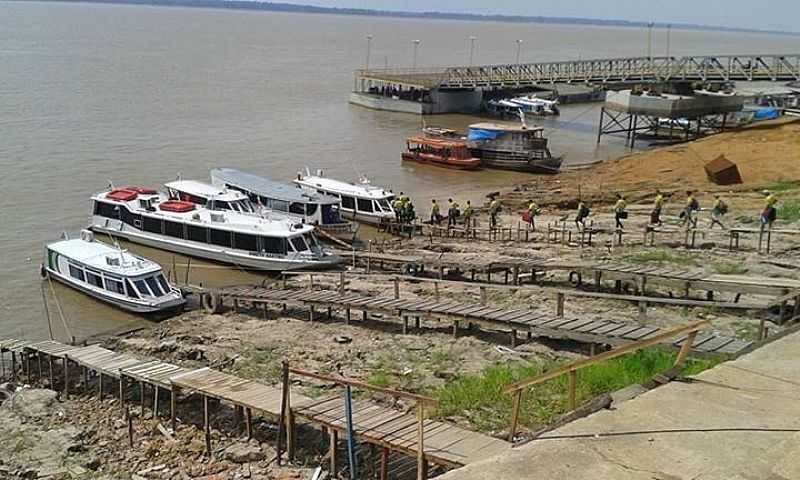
[76, 272]
[130, 218]
[173, 229]
[311, 240]
[142, 287]
[365, 205]
[151, 224]
[190, 198]
[94, 279]
[273, 245]
[348, 202]
[297, 208]
[106, 210]
[298, 244]
[243, 241]
[131, 291]
[197, 234]
[153, 284]
[246, 206]
[221, 237]
[115, 286]
[330, 214]
[384, 205]
[279, 205]
[163, 283]
[311, 209]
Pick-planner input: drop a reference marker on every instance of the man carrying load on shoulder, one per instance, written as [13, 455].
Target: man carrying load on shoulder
[770, 212]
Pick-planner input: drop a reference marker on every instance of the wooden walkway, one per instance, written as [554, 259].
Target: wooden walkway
[392, 430]
[533, 322]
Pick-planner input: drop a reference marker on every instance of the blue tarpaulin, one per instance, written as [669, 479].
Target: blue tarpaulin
[766, 113]
[476, 134]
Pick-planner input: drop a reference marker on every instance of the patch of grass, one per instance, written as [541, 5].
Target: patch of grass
[379, 378]
[789, 210]
[729, 268]
[783, 185]
[480, 397]
[662, 257]
[747, 329]
[260, 363]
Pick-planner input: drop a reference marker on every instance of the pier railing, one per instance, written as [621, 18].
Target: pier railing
[769, 67]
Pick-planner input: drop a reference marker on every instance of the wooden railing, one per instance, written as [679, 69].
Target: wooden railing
[420, 400]
[571, 369]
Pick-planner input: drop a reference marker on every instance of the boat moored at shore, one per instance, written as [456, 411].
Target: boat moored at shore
[441, 152]
[512, 147]
[111, 275]
[362, 202]
[206, 230]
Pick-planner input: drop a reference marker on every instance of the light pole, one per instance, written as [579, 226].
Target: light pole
[416, 45]
[650, 41]
[472, 39]
[369, 47]
[669, 32]
[519, 47]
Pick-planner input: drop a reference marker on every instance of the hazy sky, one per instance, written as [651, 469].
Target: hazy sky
[764, 14]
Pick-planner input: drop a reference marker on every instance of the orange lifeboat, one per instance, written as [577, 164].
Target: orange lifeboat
[178, 206]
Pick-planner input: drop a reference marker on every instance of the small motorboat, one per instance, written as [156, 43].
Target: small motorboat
[111, 275]
[441, 152]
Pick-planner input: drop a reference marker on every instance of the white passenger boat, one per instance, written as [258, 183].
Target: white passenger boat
[305, 204]
[110, 274]
[218, 230]
[362, 201]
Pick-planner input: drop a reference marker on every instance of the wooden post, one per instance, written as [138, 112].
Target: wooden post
[762, 327]
[436, 291]
[66, 378]
[141, 396]
[560, 304]
[421, 462]
[172, 399]
[384, 475]
[515, 415]
[347, 316]
[396, 288]
[573, 387]
[341, 283]
[248, 422]
[483, 295]
[311, 313]
[760, 238]
[206, 425]
[686, 348]
[155, 400]
[122, 392]
[99, 385]
[455, 328]
[642, 310]
[405, 324]
[513, 338]
[130, 428]
[334, 440]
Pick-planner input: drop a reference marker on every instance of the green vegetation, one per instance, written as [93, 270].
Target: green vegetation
[260, 363]
[480, 397]
[747, 329]
[662, 257]
[789, 210]
[730, 268]
[783, 185]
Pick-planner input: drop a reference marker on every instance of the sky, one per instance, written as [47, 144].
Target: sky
[778, 15]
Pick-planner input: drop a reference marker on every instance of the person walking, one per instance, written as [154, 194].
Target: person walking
[770, 212]
[580, 217]
[533, 210]
[452, 212]
[658, 203]
[398, 207]
[718, 210]
[688, 215]
[436, 218]
[468, 212]
[620, 212]
[494, 209]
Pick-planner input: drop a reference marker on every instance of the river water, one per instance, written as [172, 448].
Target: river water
[135, 95]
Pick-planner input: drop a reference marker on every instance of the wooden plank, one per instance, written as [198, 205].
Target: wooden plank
[640, 333]
[592, 326]
[714, 344]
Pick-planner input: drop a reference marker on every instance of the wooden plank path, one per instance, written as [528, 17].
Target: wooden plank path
[515, 270]
[535, 323]
[392, 430]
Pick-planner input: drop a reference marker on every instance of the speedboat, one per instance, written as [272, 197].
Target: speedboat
[362, 201]
[221, 228]
[111, 275]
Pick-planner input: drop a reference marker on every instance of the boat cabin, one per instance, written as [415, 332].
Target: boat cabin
[309, 205]
[209, 196]
[361, 201]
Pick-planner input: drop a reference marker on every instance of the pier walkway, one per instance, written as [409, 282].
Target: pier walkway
[387, 428]
[531, 322]
[737, 420]
[724, 68]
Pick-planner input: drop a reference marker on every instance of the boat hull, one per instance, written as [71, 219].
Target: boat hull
[548, 166]
[455, 163]
[207, 252]
[129, 305]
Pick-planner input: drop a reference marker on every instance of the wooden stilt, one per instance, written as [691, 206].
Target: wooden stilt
[422, 467]
[122, 393]
[66, 378]
[248, 422]
[52, 379]
[384, 464]
[99, 385]
[173, 393]
[206, 425]
[155, 401]
[334, 440]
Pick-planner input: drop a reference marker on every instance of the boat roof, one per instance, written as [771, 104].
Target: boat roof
[104, 257]
[206, 190]
[270, 188]
[506, 127]
[268, 224]
[363, 190]
[438, 142]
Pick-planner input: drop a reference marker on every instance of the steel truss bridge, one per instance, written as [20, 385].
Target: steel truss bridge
[715, 68]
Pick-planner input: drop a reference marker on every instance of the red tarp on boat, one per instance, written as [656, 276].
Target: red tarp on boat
[176, 206]
[140, 190]
[122, 195]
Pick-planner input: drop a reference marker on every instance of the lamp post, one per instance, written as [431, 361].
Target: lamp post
[416, 45]
[369, 47]
[669, 34]
[650, 41]
[472, 39]
[519, 47]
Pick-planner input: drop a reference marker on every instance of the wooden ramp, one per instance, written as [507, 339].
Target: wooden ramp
[587, 330]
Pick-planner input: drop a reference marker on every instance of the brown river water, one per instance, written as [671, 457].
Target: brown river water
[135, 95]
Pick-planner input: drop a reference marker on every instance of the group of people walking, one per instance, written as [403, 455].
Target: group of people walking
[404, 209]
[454, 213]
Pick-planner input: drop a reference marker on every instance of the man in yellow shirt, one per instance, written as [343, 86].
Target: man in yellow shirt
[467, 214]
[770, 213]
[435, 217]
[494, 209]
[692, 205]
[533, 210]
[718, 210]
[655, 217]
[580, 217]
[452, 212]
[619, 211]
